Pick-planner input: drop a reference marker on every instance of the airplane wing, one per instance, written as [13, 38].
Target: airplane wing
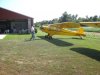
[65, 25]
[92, 24]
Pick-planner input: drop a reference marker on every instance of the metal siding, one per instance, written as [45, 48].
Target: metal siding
[7, 15]
[10, 15]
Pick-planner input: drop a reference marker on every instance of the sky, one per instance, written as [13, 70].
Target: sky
[49, 9]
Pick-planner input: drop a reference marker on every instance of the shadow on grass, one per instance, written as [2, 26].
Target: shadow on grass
[78, 38]
[92, 53]
[27, 40]
[56, 41]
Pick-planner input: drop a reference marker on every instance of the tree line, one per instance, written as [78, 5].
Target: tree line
[69, 18]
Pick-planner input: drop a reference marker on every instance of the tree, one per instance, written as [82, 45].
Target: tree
[74, 18]
[69, 18]
[55, 20]
[64, 17]
[95, 18]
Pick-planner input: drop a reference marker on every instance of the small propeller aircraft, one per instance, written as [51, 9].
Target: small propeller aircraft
[62, 28]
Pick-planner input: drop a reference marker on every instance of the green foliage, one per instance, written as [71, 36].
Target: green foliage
[68, 17]
[65, 17]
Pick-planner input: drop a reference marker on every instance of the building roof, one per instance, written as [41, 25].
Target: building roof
[6, 14]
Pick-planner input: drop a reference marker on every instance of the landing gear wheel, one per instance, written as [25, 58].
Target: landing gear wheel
[47, 36]
[81, 37]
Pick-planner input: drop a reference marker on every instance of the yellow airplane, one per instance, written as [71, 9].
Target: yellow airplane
[61, 28]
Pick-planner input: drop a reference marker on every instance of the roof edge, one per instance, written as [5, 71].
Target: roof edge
[16, 12]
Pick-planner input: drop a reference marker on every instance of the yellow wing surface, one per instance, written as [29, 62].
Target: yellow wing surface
[65, 25]
[60, 29]
[92, 24]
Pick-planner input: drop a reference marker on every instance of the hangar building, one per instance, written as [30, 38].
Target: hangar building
[14, 22]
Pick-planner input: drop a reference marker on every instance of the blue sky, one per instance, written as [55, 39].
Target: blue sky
[50, 9]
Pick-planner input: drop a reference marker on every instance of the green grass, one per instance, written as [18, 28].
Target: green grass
[64, 55]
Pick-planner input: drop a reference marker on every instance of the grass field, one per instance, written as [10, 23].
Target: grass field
[64, 55]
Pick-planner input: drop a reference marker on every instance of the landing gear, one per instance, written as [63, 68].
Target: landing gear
[48, 36]
[81, 37]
